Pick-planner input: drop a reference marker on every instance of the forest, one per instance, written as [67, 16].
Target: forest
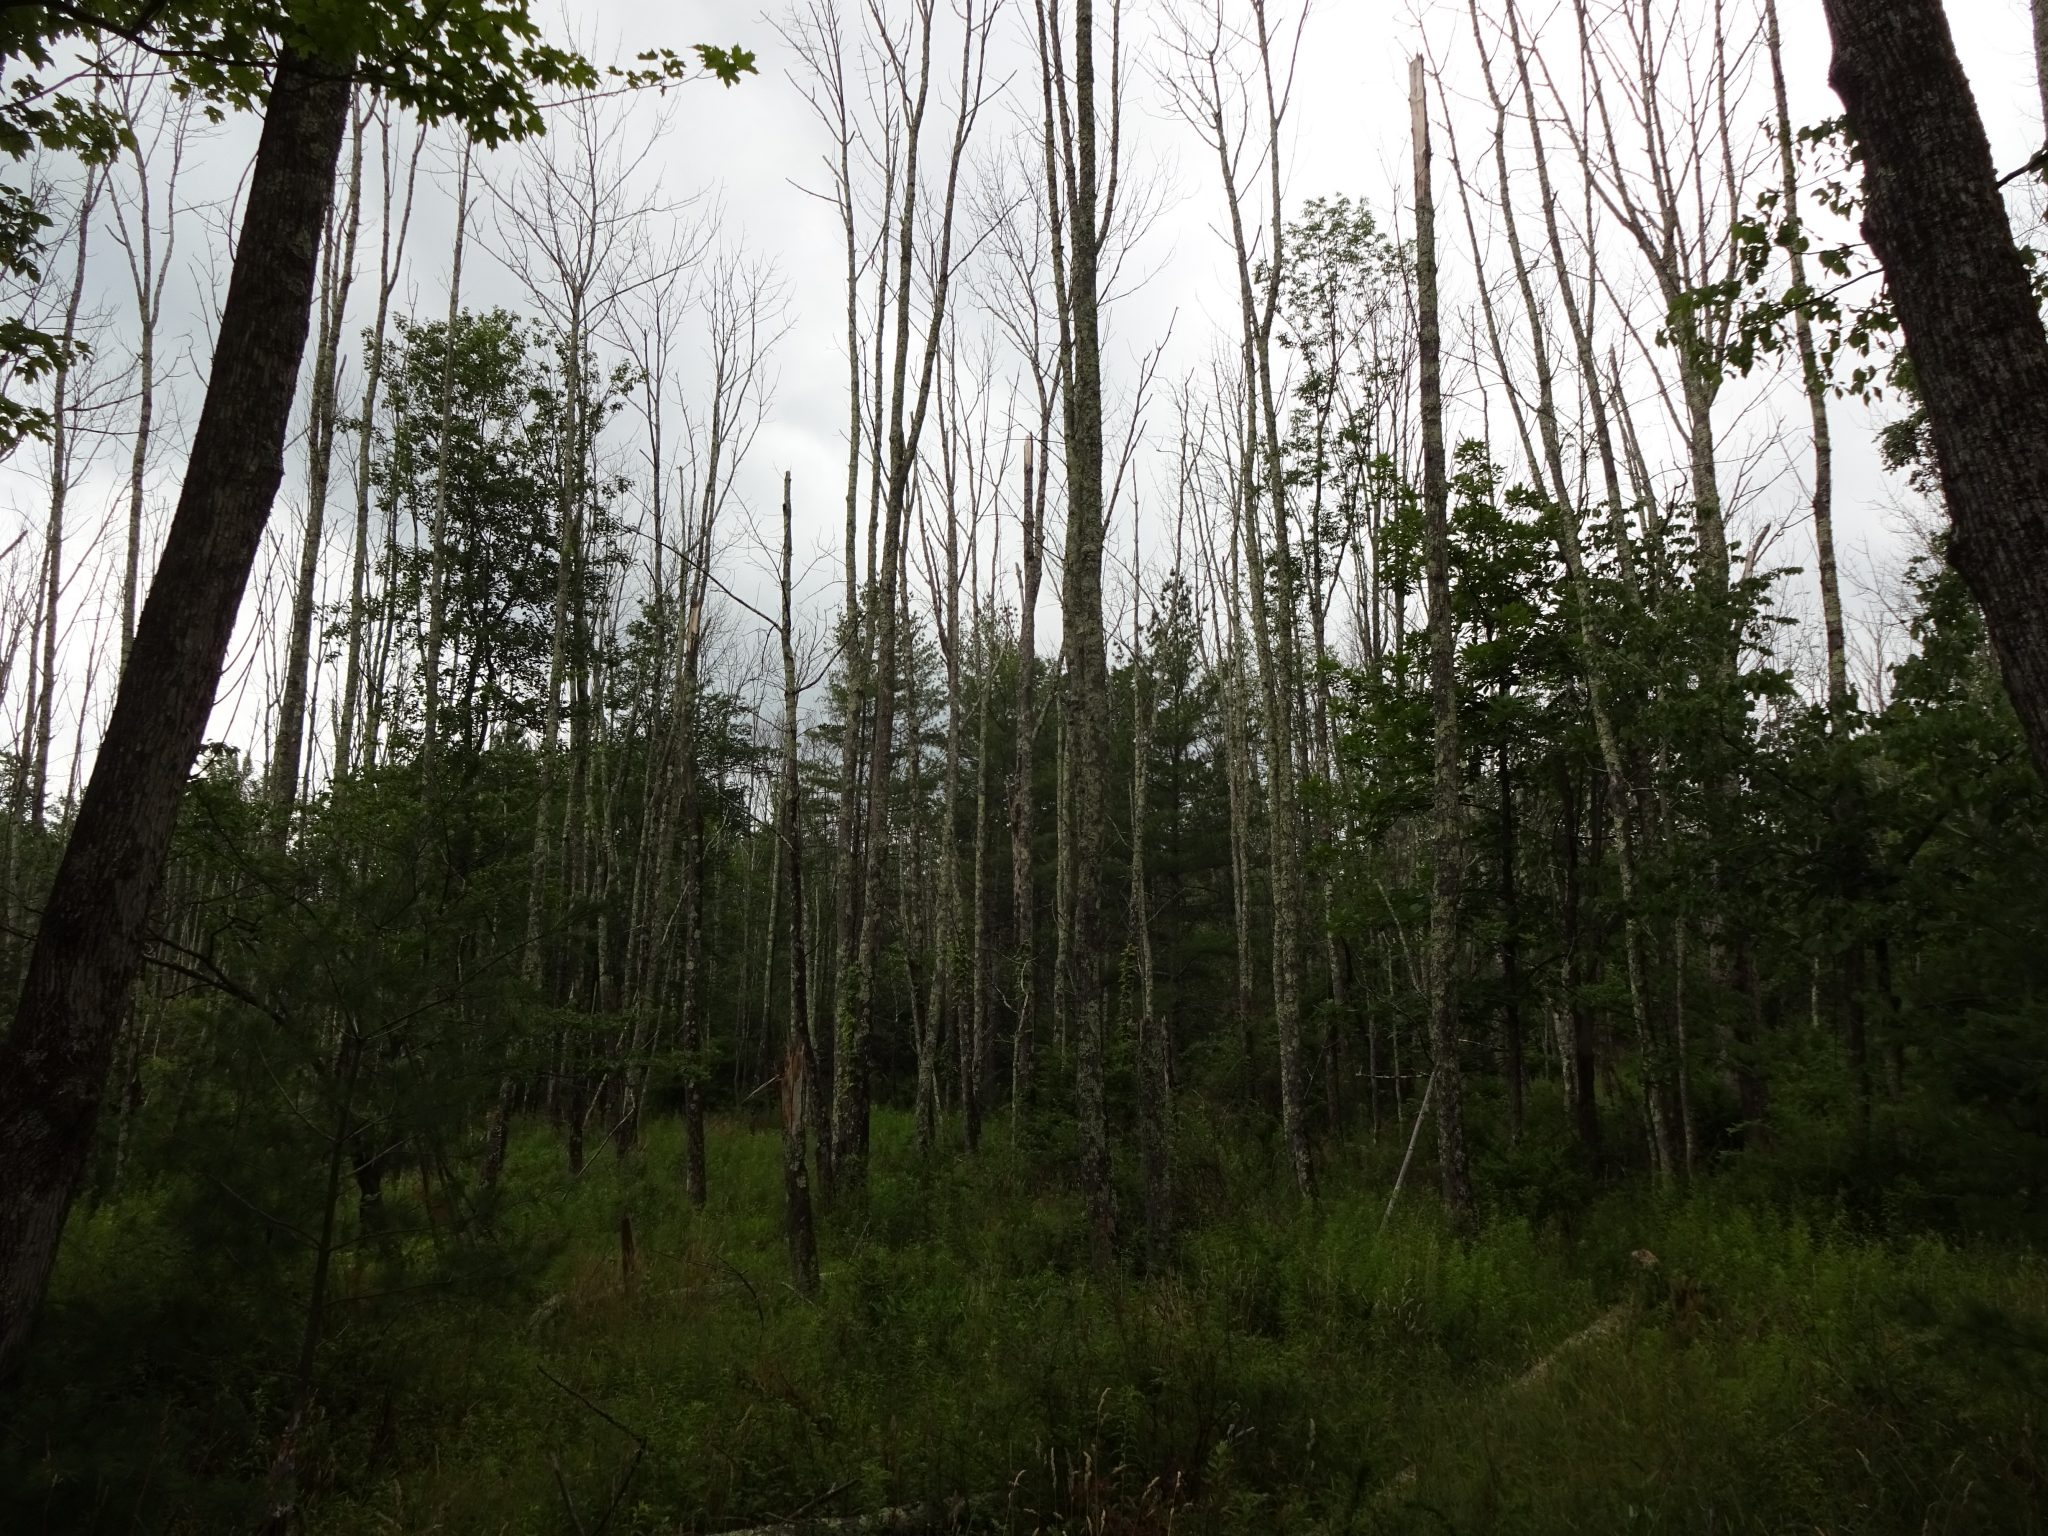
[1112, 766]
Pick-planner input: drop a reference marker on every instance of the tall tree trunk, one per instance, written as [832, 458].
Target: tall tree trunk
[1816, 385]
[323, 413]
[1154, 1051]
[1935, 218]
[2041, 57]
[53, 1065]
[1511, 949]
[1446, 832]
[1086, 705]
[1024, 793]
[977, 1052]
[1263, 477]
[909, 400]
[149, 271]
[1580, 1047]
[1650, 1039]
[1239, 786]
[799, 1071]
[390, 260]
[437, 545]
[63, 445]
[951, 948]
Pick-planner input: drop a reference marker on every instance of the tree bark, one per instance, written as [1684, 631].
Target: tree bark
[1445, 816]
[62, 447]
[1816, 386]
[1154, 1051]
[338, 265]
[53, 1065]
[1023, 792]
[1086, 714]
[799, 1073]
[2041, 56]
[390, 258]
[437, 551]
[1934, 216]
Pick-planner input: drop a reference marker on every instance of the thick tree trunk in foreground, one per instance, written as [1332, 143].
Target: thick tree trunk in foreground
[53, 1065]
[1935, 218]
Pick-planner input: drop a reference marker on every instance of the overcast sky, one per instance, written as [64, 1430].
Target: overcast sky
[754, 148]
[1349, 134]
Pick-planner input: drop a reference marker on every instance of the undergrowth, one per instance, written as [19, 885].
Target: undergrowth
[1664, 1363]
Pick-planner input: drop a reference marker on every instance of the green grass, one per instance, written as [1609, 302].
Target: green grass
[1294, 1371]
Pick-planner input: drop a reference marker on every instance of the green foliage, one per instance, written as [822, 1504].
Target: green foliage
[1297, 1369]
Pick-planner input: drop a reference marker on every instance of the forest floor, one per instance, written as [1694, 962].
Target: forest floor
[1296, 1370]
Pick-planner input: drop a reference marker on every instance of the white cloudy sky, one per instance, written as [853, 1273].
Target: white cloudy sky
[755, 147]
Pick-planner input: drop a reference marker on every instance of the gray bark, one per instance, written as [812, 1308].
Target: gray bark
[1934, 216]
[54, 1062]
[337, 274]
[1446, 816]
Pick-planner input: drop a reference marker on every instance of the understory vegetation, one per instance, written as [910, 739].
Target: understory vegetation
[1754, 1356]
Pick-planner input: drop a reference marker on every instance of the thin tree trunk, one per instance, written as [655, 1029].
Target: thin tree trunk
[149, 271]
[437, 551]
[1592, 658]
[1447, 842]
[1511, 950]
[977, 1052]
[1582, 1062]
[1155, 1112]
[1816, 385]
[1024, 794]
[2041, 56]
[338, 266]
[799, 1068]
[951, 947]
[62, 447]
[1263, 479]
[390, 259]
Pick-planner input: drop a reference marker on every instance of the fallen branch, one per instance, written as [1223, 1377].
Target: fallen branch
[1421, 1112]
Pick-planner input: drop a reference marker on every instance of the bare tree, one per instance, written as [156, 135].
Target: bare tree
[1240, 111]
[393, 223]
[150, 244]
[323, 420]
[1446, 813]
[1082, 162]
[799, 1070]
[67, 381]
[914, 271]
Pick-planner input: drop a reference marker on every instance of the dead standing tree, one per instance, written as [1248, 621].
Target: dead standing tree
[1233, 87]
[911, 210]
[567, 216]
